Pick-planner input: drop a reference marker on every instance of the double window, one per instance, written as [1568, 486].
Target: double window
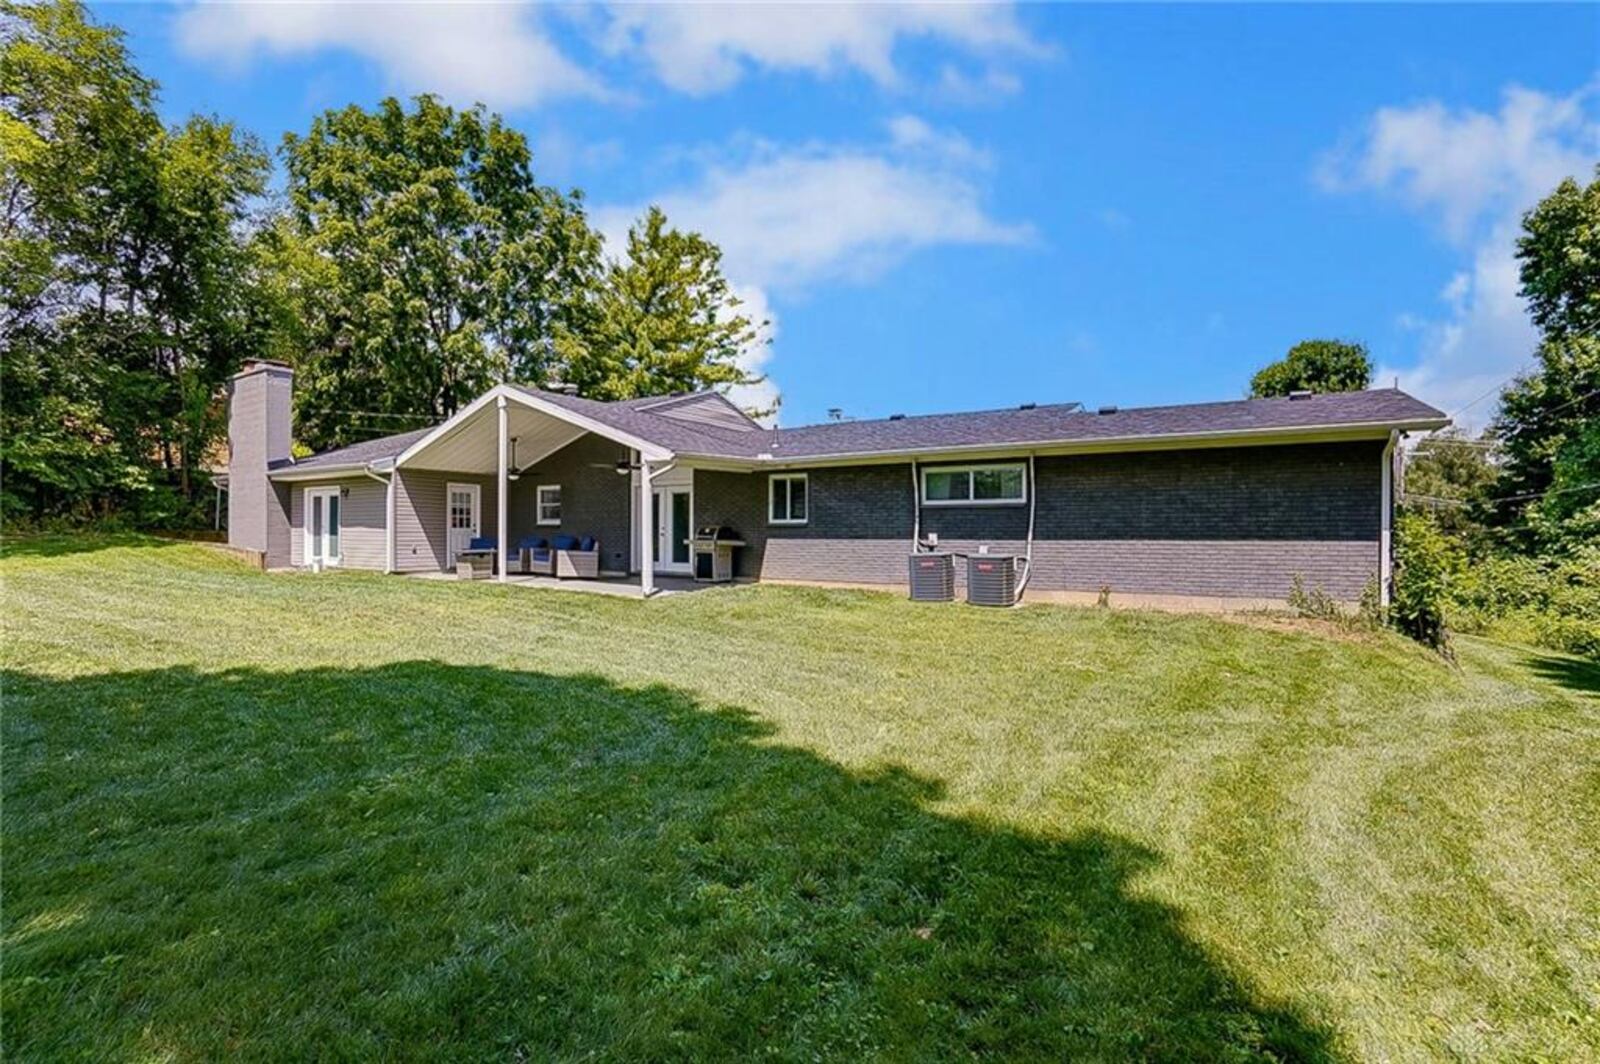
[548, 504]
[787, 500]
[978, 485]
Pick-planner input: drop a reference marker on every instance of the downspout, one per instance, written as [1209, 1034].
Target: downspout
[916, 509]
[1027, 558]
[388, 516]
[1386, 522]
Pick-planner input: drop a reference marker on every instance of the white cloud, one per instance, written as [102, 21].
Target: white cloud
[790, 217]
[1475, 173]
[914, 136]
[700, 48]
[494, 53]
[755, 357]
[1468, 166]
[974, 90]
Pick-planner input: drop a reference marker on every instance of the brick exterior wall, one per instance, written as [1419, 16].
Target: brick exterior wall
[594, 499]
[1224, 522]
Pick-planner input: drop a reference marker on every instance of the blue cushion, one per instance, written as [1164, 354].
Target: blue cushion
[530, 542]
[481, 543]
[586, 543]
[540, 554]
[564, 542]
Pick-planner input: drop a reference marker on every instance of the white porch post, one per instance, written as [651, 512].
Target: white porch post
[501, 483]
[647, 532]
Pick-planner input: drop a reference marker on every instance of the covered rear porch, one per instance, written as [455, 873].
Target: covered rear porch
[521, 489]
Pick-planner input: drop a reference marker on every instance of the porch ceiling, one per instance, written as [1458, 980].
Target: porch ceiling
[470, 446]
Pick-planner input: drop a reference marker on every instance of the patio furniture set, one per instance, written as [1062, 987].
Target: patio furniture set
[563, 557]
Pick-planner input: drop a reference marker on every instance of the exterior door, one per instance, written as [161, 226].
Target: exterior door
[324, 517]
[673, 513]
[463, 510]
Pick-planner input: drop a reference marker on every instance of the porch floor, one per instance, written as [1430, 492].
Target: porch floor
[618, 586]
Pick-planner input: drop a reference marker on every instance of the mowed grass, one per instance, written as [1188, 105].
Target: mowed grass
[287, 816]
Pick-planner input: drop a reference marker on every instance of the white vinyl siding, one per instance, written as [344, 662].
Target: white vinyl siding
[362, 511]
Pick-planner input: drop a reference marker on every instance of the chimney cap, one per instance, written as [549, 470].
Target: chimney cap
[262, 365]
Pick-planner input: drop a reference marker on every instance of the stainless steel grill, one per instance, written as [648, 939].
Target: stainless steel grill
[712, 548]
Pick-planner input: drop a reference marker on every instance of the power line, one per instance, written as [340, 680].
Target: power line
[1409, 497]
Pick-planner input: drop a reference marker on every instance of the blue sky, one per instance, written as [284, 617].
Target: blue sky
[962, 207]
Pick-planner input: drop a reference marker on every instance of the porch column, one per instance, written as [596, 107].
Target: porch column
[501, 483]
[647, 532]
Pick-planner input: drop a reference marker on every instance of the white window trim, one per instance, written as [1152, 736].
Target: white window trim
[772, 479]
[1021, 500]
[305, 524]
[538, 504]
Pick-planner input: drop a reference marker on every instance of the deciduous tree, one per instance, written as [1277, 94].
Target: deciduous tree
[1316, 366]
[662, 319]
[422, 263]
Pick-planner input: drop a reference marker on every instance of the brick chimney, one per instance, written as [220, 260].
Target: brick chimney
[259, 432]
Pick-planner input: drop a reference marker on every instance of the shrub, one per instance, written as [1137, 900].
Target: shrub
[1316, 603]
[1425, 560]
[1553, 601]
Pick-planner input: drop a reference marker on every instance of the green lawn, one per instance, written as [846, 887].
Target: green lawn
[355, 815]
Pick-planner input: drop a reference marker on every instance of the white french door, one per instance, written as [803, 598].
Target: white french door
[323, 520]
[674, 510]
[463, 510]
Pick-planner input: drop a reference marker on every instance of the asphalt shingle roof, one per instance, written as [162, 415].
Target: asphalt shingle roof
[1030, 426]
[359, 453]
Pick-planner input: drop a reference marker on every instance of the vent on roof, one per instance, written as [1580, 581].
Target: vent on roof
[1301, 394]
[1107, 410]
[1027, 406]
[897, 417]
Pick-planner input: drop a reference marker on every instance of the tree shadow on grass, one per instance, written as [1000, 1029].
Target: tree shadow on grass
[1575, 674]
[423, 860]
[61, 544]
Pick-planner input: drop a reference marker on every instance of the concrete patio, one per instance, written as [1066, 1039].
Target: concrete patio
[616, 586]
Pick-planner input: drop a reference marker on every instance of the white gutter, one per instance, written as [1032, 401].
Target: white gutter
[388, 517]
[1175, 441]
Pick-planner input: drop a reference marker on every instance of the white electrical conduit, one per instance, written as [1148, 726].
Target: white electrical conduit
[1027, 560]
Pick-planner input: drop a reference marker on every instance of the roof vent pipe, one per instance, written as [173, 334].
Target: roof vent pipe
[897, 417]
[1107, 410]
[1028, 406]
[1304, 393]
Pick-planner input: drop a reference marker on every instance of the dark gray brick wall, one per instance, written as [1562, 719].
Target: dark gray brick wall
[1231, 522]
[594, 499]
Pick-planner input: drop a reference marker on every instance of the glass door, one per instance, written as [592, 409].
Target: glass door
[322, 528]
[673, 513]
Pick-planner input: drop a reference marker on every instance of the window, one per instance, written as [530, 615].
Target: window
[786, 499]
[549, 504]
[985, 485]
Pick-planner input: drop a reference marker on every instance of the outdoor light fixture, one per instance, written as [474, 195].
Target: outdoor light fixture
[515, 473]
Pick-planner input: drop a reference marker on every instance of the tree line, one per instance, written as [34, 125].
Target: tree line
[410, 260]
[1502, 530]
